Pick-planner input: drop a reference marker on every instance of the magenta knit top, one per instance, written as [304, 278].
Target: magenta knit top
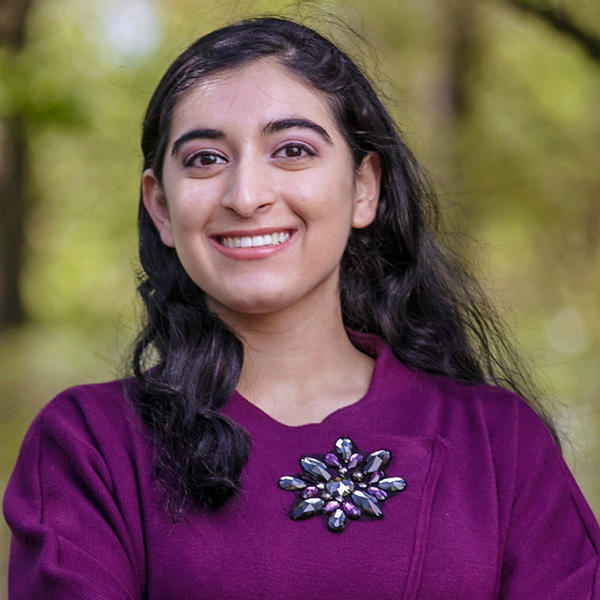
[424, 488]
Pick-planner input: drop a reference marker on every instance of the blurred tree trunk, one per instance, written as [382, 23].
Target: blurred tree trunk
[460, 49]
[12, 176]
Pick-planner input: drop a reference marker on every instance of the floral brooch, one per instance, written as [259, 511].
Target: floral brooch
[341, 485]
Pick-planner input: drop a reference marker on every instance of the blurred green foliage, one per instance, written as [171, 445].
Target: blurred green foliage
[503, 110]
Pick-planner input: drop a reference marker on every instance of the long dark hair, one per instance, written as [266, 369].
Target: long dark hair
[396, 280]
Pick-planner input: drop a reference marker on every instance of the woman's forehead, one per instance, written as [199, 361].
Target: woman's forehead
[262, 89]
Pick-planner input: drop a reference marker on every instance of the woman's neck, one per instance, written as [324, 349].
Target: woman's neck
[299, 368]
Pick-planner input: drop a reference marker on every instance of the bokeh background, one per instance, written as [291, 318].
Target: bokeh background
[500, 99]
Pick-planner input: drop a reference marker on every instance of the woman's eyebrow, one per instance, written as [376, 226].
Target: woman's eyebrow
[207, 134]
[291, 122]
[270, 127]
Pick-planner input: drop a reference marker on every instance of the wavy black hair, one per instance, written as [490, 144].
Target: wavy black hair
[396, 279]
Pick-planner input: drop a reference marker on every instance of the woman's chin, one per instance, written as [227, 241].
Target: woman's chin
[250, 304]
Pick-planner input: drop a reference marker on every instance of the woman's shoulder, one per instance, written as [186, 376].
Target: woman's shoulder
[98, 414]
[497, 405]
[459, 407]
[466, 395]
[108, 398]
[446, 406]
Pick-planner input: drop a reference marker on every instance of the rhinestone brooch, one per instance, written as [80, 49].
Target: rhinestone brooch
[341, 485]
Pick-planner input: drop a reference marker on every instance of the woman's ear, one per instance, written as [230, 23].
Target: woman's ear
[367, 185]
[155, 203]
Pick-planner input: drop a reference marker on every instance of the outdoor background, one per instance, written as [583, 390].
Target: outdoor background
[500, 99]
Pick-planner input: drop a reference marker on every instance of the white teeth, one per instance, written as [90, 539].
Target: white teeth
[255, 241]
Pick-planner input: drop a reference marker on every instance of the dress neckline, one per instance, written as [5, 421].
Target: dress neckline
[241, 409]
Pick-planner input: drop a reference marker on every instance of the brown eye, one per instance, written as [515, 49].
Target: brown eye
[294, 151]
[204, 159]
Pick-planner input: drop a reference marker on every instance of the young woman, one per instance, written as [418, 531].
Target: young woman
[316, 407]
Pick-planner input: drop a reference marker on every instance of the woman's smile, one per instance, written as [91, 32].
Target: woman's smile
[248, 245]
[254, 240]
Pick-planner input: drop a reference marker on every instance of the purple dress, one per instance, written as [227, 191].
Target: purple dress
[490, 509]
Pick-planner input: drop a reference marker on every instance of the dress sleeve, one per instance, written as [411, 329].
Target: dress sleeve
[70, 538]
[552, 550]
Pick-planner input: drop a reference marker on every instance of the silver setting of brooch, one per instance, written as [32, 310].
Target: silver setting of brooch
[341, 485]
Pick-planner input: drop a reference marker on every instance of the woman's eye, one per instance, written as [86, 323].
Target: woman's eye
[204, 159]
[294, 151]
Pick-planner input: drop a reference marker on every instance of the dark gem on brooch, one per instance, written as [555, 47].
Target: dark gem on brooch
[334, 485]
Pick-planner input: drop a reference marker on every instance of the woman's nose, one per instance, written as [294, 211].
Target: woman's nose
[251, 188]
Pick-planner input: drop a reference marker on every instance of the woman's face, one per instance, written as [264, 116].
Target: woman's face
[259, 191]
